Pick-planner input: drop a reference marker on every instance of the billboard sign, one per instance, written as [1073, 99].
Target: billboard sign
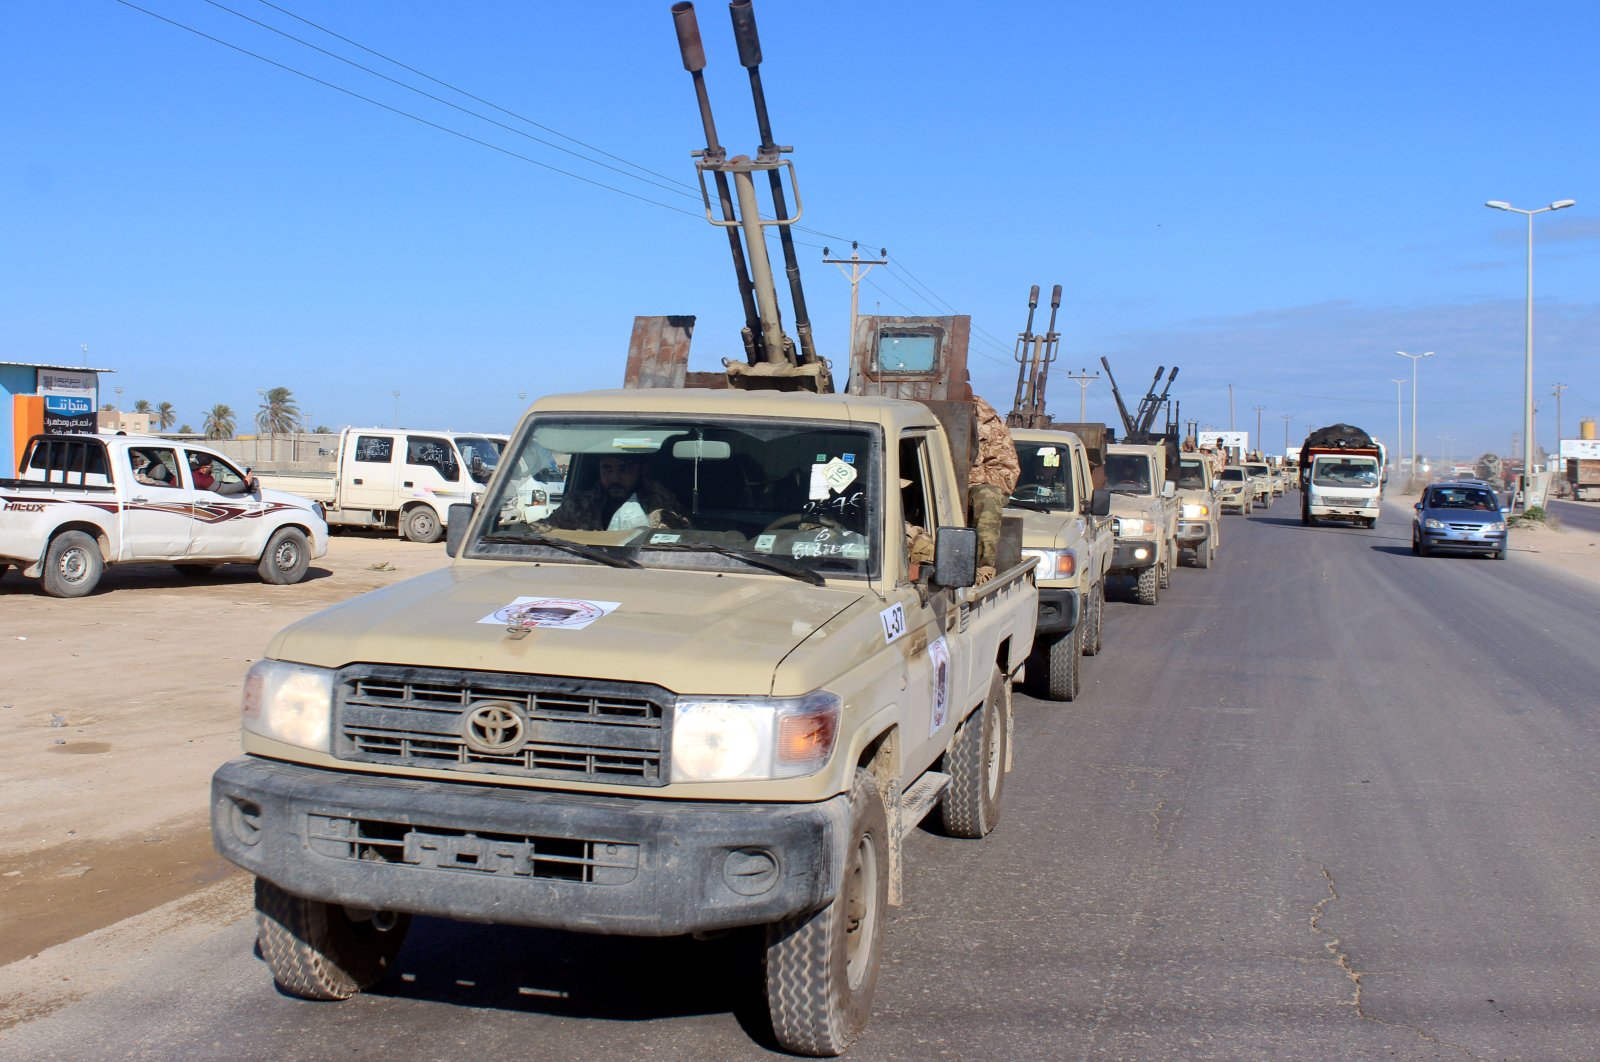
[70, 399]
[1581, 449]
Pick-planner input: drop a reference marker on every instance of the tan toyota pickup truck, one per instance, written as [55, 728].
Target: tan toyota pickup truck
[1146, 516]
[718, 699]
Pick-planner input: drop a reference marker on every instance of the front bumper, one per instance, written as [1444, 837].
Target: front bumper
[1464, 541]
[529, 857]
[1125, 558]
[1058, 611]
[1193, 532]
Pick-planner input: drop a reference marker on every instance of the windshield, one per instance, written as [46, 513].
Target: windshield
[479, 455]
[1463, 498]
[1344, 472]
[1128, 473]
[1258, 470]
[1191, 475]
[1235, 474]
[692, 492]
[1045, 479]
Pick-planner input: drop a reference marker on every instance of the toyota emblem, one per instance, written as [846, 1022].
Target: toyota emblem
[494, 727]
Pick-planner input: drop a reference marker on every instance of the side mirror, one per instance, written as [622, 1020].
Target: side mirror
[955, 556]
[1168, 489]
[1505, 510]
[457, 518]
[1100, 503]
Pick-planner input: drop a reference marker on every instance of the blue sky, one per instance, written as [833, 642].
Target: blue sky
[1276, 196]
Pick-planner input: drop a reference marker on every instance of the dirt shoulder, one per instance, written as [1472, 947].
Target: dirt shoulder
[114, 712]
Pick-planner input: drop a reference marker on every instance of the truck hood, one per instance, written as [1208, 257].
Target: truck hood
[1052, 530]
[689, 631]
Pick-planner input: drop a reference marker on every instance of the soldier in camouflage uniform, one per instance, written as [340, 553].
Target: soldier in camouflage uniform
[623, 479]
[991, 480]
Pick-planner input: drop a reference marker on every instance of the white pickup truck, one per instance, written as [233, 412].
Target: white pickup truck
[82, 502]
[401, 479]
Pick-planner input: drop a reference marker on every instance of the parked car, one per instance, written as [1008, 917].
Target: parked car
[1459, 516]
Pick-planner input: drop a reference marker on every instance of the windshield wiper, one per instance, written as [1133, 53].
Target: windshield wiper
[1135, 491]
[755, 560]
[594, 553]
[1033, 506]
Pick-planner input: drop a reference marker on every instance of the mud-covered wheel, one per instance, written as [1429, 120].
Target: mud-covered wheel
[324, 950]
[286, 558]
[422, 525]
[821, 969]
[1164, 567]
[976, 764]
[72, 565]
[1148, 588]
[1202, 554]
[1097, 619]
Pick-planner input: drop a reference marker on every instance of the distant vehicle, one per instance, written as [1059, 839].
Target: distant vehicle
[1341, 476]
[1199, 514]
[1146, 521]
[83, 502]
[1459, 516]
[1261, 480]
[1235, 490]
[397, 478]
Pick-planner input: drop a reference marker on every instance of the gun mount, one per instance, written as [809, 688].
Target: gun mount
[1034, 354]
[772, 360]
[1139, 427]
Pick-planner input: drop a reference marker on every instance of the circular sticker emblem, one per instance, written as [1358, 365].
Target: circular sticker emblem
[550, 612]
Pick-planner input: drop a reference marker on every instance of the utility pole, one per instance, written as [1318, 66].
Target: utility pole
[1557, 392]
[1084, 378]
[1285, 435]
[1261, 446]
[855, 262]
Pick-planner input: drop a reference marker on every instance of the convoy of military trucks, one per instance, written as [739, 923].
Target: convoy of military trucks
[760, 630]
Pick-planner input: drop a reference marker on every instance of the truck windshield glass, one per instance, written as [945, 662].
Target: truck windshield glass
[1045, 479]
[1344, 472]
[693, 493]
[1128, 473]
[1191, 475]
[1234, 474]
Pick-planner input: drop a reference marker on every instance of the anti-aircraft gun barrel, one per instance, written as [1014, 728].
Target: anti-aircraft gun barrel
[694, 61]
[1051, 340]
[1122, 410]
[744, 33]
[1024, 345]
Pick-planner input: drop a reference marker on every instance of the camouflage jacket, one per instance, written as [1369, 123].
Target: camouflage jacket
[996, 463]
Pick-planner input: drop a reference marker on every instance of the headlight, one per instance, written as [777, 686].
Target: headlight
[1054, 563]
[1433, 525]
[1128, 527]
[1496, 527]
[291, 703]
[1195, 510]
[753, 738]
[537, 497]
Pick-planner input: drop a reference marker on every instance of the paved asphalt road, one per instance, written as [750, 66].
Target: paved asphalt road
[1580, 516]
[1325, 800]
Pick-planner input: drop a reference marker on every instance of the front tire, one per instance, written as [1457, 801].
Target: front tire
[1147, 591]
[321, 950]
[1092, 639]
[72, 565]
[976, 764]
[821, 969]
[286, 558]
[1056, 664]
[422, 525]
[1164, 566]
[1202, 554]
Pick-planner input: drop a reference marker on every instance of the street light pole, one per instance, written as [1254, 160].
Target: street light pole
[1414, 359]
[1399, 411]
[1527, 406]
[396, 408]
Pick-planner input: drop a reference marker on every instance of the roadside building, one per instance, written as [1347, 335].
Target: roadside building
[36, 397]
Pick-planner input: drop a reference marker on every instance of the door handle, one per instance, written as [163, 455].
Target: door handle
[357, 482]
[141, 501]
[407, 483]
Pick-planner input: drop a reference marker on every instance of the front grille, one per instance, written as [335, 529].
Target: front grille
[1331, 500]
[1471, 528]
[549, 727]
[590, 862]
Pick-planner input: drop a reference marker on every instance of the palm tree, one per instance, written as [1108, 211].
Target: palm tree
[165, 416]
[142, 406]
[278, 415]
[185, 429]
[322, 429]
[219, 422]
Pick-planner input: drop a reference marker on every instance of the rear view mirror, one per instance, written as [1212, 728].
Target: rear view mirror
[1100, 503]
[701, 450]
[955, 556]
[457, 518]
